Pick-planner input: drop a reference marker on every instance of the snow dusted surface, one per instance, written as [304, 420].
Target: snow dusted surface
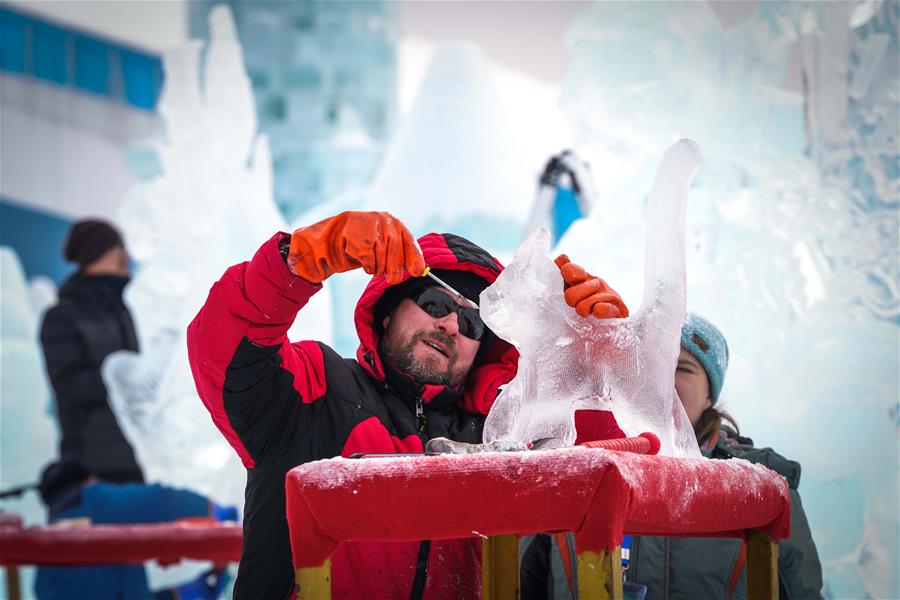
[562, 489]
[748, 481]
[569, 362]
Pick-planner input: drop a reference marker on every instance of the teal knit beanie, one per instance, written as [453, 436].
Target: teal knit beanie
[702, 339]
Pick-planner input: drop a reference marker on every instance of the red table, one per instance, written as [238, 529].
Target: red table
[598, 494]
[168, 543]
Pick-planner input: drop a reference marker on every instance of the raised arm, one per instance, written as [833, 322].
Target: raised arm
[237, 344]
[252, 379]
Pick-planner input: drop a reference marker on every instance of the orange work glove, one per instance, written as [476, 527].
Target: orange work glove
[587, 294]
[374, 241]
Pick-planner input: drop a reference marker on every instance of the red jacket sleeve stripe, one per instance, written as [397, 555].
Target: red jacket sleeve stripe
[258, 300]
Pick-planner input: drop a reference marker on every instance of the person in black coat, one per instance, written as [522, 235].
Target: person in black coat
[89, 323]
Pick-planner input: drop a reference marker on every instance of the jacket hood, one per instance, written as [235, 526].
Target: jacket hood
[442, 251]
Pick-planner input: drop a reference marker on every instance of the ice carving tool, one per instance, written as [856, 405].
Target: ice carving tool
[17, 491]
[447, 287]
[543, 444]
[441, 445]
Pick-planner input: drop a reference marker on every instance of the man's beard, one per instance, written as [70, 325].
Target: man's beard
[429, 370]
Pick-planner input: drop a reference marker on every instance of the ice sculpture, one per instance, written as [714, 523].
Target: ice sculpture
[211, 207]
[568, 362]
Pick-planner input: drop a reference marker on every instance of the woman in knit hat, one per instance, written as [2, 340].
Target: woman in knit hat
[699, 377]
[708, 567]
[89, 323]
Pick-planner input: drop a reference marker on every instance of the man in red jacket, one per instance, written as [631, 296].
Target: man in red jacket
[426, 367]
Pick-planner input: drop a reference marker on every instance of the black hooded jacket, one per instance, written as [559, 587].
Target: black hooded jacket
[88, 324]
[281, 404]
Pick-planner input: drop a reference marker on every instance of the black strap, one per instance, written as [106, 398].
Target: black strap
[421, 567]
[17, 491]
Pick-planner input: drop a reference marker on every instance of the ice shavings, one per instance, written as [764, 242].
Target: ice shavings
[744, 483]
[569, 363]
[442, 445]
[663, 494]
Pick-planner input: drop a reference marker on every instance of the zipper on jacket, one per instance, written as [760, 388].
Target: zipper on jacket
[421, 568]
[370, 359]
[420, 415]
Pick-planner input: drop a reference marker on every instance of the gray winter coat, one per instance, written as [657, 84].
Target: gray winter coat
[692, 568]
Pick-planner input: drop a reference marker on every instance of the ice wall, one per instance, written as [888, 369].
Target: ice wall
[211, 207]
[792, 231]
[449, 168]
[569, 362]
[323, 76]
[28, 433]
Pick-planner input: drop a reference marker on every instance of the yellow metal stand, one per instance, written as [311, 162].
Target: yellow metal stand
[13, 585]
[314, 582]
[500, 568]
[762, 567]
[600, 575]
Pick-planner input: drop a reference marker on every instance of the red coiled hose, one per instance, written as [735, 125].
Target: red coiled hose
[645, 443]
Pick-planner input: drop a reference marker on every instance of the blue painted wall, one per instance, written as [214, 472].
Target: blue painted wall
[34, 47]
[38, 48]
[37, 237]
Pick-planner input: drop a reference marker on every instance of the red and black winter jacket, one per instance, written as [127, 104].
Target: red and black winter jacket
[281, 403]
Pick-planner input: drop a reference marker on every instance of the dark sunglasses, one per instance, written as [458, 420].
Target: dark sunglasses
[438, 305]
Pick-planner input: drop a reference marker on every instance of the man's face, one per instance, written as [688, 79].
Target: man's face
[430, 349]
